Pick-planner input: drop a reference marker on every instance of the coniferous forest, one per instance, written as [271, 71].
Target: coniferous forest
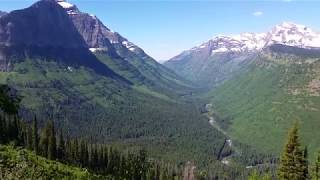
[79, 100]
[101, 160]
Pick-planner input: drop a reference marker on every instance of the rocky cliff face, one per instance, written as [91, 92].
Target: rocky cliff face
[2, 13]
[95, 34]
[34, 26]
[99, 37]
[126, 55]
[45, 31]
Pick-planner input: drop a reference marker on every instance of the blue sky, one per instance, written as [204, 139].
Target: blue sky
[165, 28]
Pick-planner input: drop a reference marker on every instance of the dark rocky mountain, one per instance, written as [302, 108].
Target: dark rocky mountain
[44, 30]
[97, 36]
[56, 28]
[129, 60]
[2, 13]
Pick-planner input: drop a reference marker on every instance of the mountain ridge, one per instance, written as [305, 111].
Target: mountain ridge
[286, 33]
[129, 60]
[218, 59]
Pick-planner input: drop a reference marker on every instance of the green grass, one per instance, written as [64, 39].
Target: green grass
[148, 73]
[17, 163]
[146, 90]
[259, 105]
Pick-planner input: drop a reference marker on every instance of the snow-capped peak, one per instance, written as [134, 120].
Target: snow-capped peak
[70, 8]
[286, 33]
[64, 4]
[292, 34]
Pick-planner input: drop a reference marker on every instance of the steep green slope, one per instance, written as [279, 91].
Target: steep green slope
[23, 164]
[259, 104]
[210, 70]
[145, 72]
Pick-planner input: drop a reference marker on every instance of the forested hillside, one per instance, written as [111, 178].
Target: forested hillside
[126, 99]
[275, 90]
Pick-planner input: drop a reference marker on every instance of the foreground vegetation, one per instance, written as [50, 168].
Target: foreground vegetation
[97, 158]
[51, 156]
[18, 163]
[294, 164]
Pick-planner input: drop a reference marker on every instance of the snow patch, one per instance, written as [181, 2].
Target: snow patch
[225, 161]
[287, 33]
[69, 68]
[223, 49]
[114, 41]
[229, 142]
[71, 13]
[97, 49]
[129, 45]
[65, 4]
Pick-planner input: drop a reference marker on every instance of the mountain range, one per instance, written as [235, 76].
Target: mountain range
[259, 83]
[198, 63]
[230, 99]
[66, 65]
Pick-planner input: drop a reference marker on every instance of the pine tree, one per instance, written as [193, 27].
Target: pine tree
[14, 129]
[35, 136]
[44, 140]
[52, 145]
[75, 151]
[51, 141]
[83, 153]
[2, 130]
[61, 147]
[292, 164]
[29, 139]
[305, 162]
[316, 168]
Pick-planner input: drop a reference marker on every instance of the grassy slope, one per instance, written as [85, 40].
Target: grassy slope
[23, 164]
[84, 103]
[259, 105]
[148, 74]
[209, 71]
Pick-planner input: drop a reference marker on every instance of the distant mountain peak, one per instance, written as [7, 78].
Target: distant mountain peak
[286, 33]
[291, 34]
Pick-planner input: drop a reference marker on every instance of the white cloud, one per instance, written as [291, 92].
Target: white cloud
[258, 13]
